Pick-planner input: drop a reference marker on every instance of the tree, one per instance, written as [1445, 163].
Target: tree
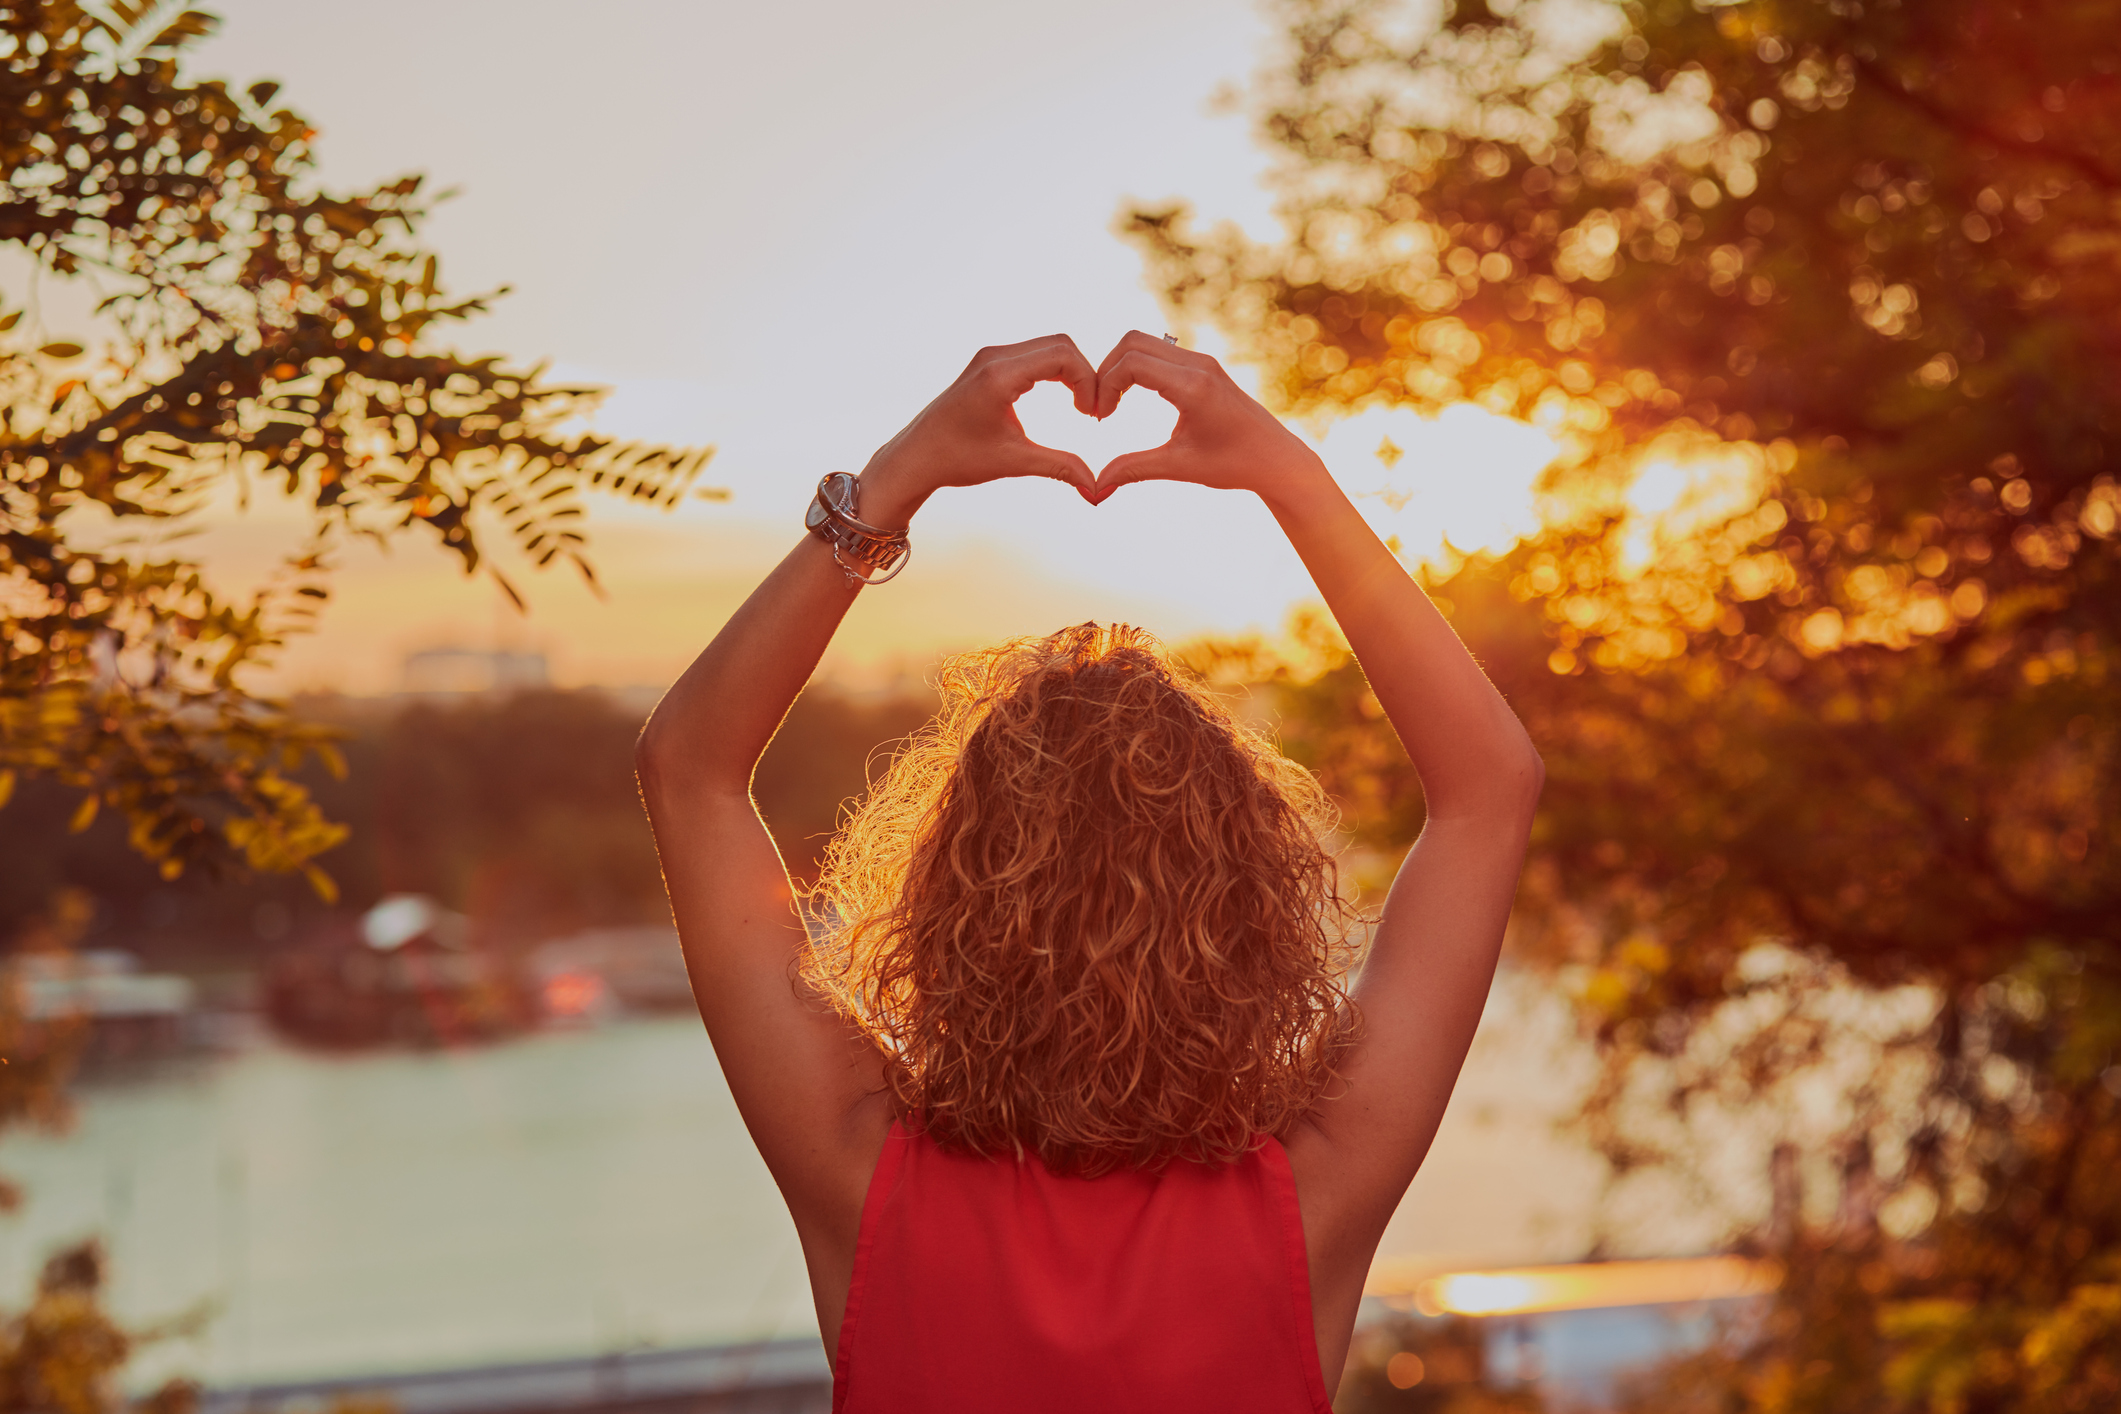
[519, 811]
[1832, 805]
[263, 337]
[63, 1352]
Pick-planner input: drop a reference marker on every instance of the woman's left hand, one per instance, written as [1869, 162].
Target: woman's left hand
[1223, 438]
[970, 434]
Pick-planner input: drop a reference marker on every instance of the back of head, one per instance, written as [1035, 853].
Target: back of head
[1087, 914]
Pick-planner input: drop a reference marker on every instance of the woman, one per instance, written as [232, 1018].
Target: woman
[1078, 1045]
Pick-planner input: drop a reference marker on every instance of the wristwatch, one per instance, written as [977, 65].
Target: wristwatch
[860, 549]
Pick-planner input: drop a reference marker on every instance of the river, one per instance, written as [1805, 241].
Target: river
[579, 1192]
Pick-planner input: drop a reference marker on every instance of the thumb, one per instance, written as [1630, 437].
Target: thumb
[1035, 459]
[1075, 471]
[1151, 465]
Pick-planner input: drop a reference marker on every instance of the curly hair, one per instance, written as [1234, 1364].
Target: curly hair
[1088, 914]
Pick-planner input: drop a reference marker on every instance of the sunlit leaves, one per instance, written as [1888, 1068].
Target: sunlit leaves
[1854, 705]
[63, 1351]
[267, 336]
[1775, 202]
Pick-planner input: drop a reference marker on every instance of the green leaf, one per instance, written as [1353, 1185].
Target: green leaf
[61, 349]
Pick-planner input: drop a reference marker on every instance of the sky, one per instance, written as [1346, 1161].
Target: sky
[780, 230]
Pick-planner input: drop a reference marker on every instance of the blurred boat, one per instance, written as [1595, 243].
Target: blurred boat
[405, 972]
[601, 973]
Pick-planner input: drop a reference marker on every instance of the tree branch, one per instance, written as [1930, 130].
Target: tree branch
[2082, 163]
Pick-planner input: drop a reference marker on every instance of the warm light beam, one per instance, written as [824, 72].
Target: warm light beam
[1574, 1287]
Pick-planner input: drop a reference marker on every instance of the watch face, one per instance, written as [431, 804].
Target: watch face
[838, 489]
[815, 516]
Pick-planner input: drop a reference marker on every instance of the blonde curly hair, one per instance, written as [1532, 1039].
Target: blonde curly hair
[1088, 914]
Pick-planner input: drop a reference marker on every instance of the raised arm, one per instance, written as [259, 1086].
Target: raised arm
[808, 1085]
[1433, 955]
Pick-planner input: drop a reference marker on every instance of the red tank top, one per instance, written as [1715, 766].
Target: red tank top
[988, 1285]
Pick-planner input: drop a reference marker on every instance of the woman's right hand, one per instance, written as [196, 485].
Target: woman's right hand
[1223, 437]
[970, 434]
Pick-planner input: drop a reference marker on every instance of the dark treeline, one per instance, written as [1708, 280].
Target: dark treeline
[518, 811]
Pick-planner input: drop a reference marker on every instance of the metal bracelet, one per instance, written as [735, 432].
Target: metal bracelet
[832, 519]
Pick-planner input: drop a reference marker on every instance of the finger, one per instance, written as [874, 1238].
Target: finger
[1080, 377]
[1182, 385]
[1154, 464]
[1022, 346]
[1059, 465]
[995, 352]
[1135, 341]
[1055, 360]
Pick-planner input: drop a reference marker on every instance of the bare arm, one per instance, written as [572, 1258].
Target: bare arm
[1433, 956]
[808, 1084]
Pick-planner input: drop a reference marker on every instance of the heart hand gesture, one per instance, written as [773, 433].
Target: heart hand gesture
[970, 433]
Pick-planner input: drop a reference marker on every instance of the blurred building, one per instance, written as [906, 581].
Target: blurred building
[404, 972]
[130, 1013]
[459, 672]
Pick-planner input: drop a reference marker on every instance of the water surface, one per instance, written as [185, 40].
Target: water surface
[576, 1193]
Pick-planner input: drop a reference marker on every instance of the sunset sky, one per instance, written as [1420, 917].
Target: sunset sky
[781, 230]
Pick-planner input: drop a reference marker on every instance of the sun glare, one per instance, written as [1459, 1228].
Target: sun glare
[1683, 486]
[1658, 487]
[1462, 478]
[1574, 1287]
[1466, 477]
